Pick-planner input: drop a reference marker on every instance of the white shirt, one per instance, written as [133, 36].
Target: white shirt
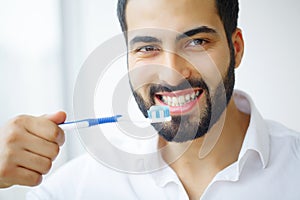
[268, 167]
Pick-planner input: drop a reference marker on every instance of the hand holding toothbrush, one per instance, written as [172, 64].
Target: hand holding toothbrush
[28, 145]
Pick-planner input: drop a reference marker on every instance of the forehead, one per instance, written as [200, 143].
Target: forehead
[176, 15]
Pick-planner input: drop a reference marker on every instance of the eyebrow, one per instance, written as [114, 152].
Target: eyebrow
[189, 33]
[144, 39]
[195, 31]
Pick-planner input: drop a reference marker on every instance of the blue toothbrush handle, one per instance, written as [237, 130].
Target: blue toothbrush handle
[88, 122]
[103, 120]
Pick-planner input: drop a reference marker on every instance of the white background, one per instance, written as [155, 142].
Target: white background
[44, 43]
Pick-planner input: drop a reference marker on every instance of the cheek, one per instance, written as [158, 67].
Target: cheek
[211, 67]
[142, 73]
[143, 92]
[140, 80]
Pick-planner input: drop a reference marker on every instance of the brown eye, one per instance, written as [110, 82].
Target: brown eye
[148, 48]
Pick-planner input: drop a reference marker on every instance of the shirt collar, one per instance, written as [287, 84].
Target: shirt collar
[257, 135]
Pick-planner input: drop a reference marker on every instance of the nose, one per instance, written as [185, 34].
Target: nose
[175, 68]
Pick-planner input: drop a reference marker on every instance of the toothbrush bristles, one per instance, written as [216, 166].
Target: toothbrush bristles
[159, 114]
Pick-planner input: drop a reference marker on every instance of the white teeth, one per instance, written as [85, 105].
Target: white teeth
[188, 97]
[193, 95]
[181, 100]
[165, 99]
[175, 100]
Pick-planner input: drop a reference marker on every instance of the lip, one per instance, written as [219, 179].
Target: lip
[182, 109]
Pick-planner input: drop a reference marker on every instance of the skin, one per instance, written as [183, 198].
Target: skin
[28, 146]
[181, 16]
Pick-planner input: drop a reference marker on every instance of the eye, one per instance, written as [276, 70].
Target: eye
[148, 48]
[196, 42]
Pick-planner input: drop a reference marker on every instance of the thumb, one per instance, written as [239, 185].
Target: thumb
[57, 118]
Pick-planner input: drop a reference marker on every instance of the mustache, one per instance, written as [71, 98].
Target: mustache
[185, 84]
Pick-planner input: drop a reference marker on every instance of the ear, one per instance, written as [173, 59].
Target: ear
[238, 45]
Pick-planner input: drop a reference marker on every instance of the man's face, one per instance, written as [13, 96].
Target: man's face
[179, 57]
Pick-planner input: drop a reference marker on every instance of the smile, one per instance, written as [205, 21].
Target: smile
[179, 101]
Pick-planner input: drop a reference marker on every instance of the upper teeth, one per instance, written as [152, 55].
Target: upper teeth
[180, 100]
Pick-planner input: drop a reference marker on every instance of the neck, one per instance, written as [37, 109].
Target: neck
[218, 149]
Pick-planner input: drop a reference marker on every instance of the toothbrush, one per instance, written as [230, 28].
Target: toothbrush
[157, 114]
[85, 123]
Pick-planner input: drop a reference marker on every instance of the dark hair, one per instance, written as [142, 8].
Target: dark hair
[121, 11]
[228, 11]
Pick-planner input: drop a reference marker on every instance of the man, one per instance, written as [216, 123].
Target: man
[195, 46]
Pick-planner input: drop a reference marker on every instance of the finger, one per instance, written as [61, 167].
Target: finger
[34, 162]
[57, 118]
[14, 174]
[23, 176]
[41, 146]
[44, 128]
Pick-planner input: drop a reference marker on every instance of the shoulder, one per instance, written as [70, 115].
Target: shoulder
[279, 130]
[284, 141]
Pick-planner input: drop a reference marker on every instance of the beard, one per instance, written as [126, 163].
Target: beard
[191, 126]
